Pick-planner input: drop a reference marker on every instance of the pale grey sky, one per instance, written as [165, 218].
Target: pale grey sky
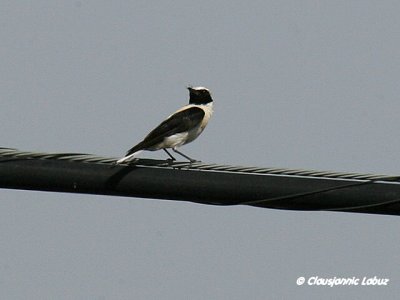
[299, 84]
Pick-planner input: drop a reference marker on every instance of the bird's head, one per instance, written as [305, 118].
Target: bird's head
[199, 95]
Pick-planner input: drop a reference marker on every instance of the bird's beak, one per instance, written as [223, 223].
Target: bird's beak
[190, 88]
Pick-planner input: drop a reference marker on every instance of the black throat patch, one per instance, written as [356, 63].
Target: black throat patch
[202, 96]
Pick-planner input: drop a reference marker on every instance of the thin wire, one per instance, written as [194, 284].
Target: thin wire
[373, 205]
[300, 195]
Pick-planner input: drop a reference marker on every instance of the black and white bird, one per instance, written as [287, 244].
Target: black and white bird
[180, 128]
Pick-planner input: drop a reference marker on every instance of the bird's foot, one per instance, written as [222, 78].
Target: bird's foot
[170, 161]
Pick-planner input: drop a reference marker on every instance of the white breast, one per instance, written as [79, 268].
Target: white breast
[195, 132]
[183, 138]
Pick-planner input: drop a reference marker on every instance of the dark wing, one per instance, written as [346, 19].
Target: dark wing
[178, 122]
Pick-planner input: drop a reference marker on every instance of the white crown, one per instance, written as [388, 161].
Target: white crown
[198, 88]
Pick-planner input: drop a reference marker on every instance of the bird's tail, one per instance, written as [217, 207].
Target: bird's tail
[128, 157]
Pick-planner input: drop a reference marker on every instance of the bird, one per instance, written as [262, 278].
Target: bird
[180, 128]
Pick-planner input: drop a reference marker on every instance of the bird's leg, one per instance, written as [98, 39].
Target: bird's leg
[169, 154]
[185, 156]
